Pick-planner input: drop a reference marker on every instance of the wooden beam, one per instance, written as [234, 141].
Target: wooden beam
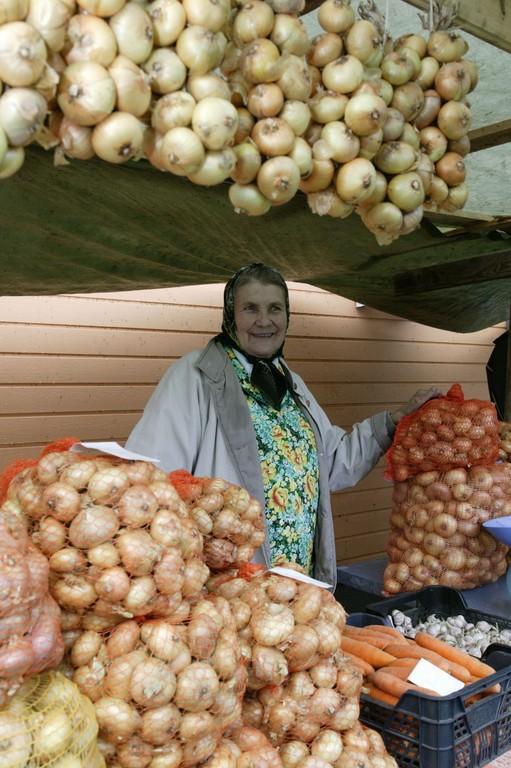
[490, 135]
[490, 20]
[455, 274]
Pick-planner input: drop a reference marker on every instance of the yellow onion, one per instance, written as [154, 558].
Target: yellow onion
[328, 203]
[408, 99]
[446, 46]
[369, 145]
[22, 54]
[297, 115]
[426, 169]
[294, 80]
[452, 81]
[412, 220]
[365, 113]
[472, 73]
[411, 135]
[118, 138]
[245, 124]
[384, 220]
[320, 176]
[355, 180]
[211, 14]
[454, 119]
[461, 145]
[13, 10]
[278, 179]
[133, 31]
[22, 112]
[438, 190]
[265, 100]
[132, 87]
[50, 18]
[215, 122]
[172, 110]
[260, 62]
[181, 151]
[165, 71]
[343, 75]
[341, 143]
[395, 157]
[456, 197]
[398, 68]
[433, 142]
[406, 191]
[430, 109]
[364, 42]
[290, 35]
[208, 84]
[89, 38]
[248, 199]
[273, 136]
[216, 168]
[168, 18]
[327, 106]
[393, 125]
[325, 48]
[102, 8]
[336, 16]
[416, 42]
[302, 155]
[451, 169]
[86, 93]
[253, 20]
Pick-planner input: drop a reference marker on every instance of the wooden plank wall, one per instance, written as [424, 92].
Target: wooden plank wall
[85, 365]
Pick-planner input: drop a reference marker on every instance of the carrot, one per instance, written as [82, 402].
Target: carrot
[491, 689]
[384, 629]
[378, 641]
[376, 693]
[449, 652]
[366, 651]
[364, 666]
[415, 651]
[401, 667]
[393, 685]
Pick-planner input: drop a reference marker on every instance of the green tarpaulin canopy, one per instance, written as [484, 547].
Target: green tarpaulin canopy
[91, 227]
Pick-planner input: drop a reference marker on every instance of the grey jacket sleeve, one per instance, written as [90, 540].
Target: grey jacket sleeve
[350, 455]
[170, 427]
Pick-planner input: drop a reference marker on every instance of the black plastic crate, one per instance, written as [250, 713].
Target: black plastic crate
[429, 732]
[444, 601]
[424, 731]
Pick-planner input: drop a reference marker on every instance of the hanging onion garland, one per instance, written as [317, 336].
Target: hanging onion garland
[357, 122]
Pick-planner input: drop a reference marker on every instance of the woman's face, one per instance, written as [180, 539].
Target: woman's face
[260, 318]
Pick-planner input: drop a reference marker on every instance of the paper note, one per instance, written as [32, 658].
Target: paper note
[427, 675]
[291, 574]
[113, 449]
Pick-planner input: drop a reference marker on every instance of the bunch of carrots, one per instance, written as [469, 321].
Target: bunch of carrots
[386, 658]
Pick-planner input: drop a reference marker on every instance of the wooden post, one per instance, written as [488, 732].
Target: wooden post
[507, 373]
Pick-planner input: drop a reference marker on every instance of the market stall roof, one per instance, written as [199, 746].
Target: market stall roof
[96, 227]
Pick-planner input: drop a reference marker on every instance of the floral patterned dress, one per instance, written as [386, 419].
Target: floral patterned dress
[289, 463]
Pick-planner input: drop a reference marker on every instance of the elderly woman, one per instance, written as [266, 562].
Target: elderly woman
[236, 411]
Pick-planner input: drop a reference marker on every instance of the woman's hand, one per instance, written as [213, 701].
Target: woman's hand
[418, 399]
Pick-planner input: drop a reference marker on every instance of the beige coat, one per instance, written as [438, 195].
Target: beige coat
[198, 419]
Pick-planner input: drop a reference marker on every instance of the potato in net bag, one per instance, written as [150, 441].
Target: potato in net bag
[49, 724]
[229, 518]
[162, 689]
[444, 433]
[436, 529]
[119, 539]
[30, 634]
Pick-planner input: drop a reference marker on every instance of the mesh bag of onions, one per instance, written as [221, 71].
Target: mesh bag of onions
[49, 724]
[436, 535]
[445, 433]
[505, 441]
[118, 537]
[244, 747]
[163, 692]
[30, 635]
[229, 518]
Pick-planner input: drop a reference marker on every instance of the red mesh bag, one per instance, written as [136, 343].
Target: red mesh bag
[445, 433]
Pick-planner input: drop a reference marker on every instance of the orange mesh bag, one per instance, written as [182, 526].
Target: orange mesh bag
[118, 538]
[228, 517]
[163, 689]
[444, 433]
[436, 529]
[30, 635]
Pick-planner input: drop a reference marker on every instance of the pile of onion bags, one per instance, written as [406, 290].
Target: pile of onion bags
[119, 540]
[229, 518]
[163, 691]
[436, 535]
[30, 635]
[445, 433]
